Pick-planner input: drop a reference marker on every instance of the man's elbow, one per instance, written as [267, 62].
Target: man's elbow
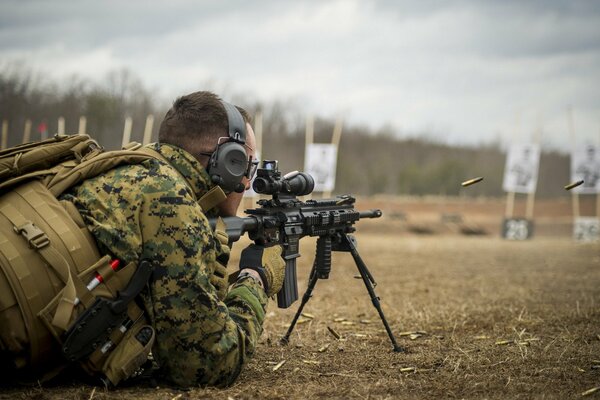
[216, 368]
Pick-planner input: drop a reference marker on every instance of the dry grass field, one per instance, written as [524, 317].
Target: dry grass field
[479, 317]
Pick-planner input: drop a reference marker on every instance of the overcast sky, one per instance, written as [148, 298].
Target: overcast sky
[467, 71]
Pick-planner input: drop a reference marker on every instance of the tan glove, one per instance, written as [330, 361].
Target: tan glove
[219, 276]
[269, 264]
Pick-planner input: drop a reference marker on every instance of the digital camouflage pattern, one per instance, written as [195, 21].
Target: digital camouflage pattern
[147, 211]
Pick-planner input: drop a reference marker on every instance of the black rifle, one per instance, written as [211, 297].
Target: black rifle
[285, 220]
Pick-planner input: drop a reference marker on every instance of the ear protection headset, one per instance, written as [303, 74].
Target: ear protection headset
[228, 164]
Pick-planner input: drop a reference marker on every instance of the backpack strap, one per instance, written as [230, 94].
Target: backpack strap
[39, 241]
[34, 157]
[91, 166]
[28, 298]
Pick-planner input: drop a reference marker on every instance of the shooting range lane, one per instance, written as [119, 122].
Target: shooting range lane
[476, 315]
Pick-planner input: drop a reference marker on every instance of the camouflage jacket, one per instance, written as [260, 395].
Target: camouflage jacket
[147, 211]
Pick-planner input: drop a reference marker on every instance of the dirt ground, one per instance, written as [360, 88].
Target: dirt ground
[478, 317]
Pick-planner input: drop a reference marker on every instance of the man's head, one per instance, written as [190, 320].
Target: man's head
[197, 123]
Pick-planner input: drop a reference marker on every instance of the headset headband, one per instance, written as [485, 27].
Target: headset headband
[237, 125]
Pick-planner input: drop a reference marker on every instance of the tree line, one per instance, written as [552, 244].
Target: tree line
[370, 161]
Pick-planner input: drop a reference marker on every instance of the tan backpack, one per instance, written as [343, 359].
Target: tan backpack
[48, 317]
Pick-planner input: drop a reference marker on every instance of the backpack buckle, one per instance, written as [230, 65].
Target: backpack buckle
[36, 237]
[85, 150]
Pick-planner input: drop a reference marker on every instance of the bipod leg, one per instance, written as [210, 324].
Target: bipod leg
[307, 295]
[369, 284]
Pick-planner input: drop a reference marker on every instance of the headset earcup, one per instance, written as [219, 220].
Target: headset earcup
[228, 166]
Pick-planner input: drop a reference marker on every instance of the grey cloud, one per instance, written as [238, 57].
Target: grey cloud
[463, 67]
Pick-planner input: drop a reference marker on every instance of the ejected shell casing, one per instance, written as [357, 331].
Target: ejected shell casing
[573, 185]
[407, 333]
[591, 391]
[472, 181]
[313, 362]
[279, 365]
[333, 332]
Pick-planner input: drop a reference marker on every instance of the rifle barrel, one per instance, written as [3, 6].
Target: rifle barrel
[370, 214]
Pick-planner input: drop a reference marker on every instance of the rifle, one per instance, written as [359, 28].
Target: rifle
[284, 220]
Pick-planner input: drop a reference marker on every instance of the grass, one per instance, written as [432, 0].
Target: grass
[497, 319]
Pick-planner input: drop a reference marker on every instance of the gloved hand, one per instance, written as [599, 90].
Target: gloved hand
[269, 264]
[219, 276]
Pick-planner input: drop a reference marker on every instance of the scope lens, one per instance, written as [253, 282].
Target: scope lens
[260, 185]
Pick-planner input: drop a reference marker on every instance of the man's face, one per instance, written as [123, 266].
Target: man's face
[229, 207]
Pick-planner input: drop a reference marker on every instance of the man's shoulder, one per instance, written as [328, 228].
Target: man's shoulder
[131, 183]
[150, 173]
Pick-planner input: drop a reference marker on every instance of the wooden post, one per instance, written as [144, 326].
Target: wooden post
[574, 195]
[529, 206]
[4, 140]
[335, 140]
[61, 125]
[82, 125]
[310, 137]
[510, 205]
[310, 130]
[510, 196]
[27, 131]
[337, 132]
[598, 193]
[148, 129]
[258, 132]
[126, 132]
[537, 138]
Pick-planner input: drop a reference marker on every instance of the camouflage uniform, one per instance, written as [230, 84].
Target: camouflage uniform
[147, 211]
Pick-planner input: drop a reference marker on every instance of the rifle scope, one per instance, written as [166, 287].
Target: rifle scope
[269, 181]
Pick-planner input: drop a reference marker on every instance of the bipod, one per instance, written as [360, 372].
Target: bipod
[321, 268]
